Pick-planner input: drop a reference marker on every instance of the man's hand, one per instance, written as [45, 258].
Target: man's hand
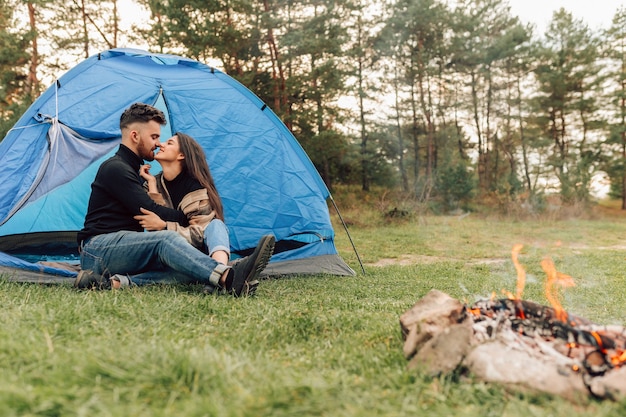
[150, 220]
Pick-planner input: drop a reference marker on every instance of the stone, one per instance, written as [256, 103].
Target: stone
[429, 316]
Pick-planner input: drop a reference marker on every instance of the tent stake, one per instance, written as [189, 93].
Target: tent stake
[347, 232]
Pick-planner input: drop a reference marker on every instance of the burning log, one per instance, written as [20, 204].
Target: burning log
[516, 342]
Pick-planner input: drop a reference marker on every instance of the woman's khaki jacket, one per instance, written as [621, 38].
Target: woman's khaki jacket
[196, 207]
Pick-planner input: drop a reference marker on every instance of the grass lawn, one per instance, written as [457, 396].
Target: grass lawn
[304, 346]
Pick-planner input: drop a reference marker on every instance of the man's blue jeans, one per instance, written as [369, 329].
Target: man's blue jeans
[149, 257]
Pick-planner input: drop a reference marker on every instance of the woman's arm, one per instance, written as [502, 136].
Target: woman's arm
[195, 205]
[150, 185]
[144, 172]
[199, 213]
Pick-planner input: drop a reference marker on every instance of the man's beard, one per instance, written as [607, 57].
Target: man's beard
[144, 153]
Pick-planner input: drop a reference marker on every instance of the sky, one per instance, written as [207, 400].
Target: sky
[595, 13]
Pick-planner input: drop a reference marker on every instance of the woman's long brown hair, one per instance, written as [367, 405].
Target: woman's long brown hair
[196, 165]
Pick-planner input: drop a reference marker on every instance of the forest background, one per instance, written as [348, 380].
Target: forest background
[452, 104]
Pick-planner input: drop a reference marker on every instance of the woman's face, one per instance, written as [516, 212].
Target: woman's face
[169, 151]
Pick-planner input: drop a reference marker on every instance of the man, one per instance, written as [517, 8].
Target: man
[113, 244]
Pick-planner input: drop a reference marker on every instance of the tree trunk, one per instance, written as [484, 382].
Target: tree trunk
[365, 174]
[85, 20]
[32, 86]
[430, 129]
[415, 136]
[278, 75]
[490, 171]
[522, 138]
[403, 176]
[116, 24]
[481, 153]
[623, 135]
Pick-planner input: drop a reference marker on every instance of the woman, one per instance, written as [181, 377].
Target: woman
[186, 184]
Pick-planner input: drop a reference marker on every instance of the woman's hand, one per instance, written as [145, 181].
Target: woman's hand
[149, 220]
[144, 172]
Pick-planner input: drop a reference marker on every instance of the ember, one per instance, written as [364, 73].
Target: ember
[518, 342]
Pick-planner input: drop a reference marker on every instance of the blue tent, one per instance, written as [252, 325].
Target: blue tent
[50, 157]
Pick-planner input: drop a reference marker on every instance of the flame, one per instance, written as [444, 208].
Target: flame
[596, 336]
[508, 294]
[565, 280]
[521, 273]
[475, 311]
[619, 358]
[555, 278]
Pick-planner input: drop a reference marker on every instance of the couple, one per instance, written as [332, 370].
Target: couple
[115, 251]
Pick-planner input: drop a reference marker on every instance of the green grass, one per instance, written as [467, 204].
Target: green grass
[304, 346]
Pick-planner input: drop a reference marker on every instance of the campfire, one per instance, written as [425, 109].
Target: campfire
[517, 342]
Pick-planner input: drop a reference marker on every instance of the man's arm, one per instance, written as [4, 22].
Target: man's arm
[199, 212]
[127, 188]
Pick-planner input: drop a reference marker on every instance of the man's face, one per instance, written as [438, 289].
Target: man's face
[146, 136]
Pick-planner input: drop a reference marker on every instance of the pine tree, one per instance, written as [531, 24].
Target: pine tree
[566, 106]
[486, 38]
[14, 62]
[616, 53]
[414, 40]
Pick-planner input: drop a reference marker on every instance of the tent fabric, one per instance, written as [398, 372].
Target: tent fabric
[50, 157]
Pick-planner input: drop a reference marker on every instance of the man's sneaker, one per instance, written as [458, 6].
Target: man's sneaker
[246, 270]
[87, 279]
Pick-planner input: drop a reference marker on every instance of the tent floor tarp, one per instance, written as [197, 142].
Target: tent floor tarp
[20, 275]
[325, 264]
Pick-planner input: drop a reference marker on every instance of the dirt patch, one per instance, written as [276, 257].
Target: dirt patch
[410, 259]
[583, 246]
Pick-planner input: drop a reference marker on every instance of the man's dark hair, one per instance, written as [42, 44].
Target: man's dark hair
[140, 112]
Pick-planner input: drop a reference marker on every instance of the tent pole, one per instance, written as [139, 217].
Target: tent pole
[348, 233]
